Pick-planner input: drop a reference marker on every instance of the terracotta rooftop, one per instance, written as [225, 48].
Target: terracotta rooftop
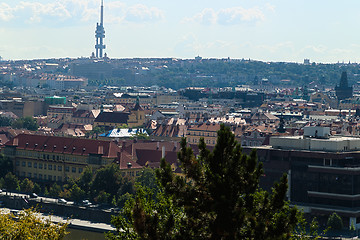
[205, 127]
[76, 146]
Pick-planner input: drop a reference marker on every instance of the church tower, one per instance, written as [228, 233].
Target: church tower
[343, 91]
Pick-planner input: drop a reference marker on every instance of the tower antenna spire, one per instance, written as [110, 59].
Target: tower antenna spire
[100, 34]
[102, 13]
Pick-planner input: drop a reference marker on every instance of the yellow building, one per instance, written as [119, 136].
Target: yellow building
[206, 131]
[110, 120]
[49, 158]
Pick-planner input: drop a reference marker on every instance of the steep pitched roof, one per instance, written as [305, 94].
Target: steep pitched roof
[113, 117]
[125, 161]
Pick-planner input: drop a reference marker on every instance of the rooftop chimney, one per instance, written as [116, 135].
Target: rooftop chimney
[100, 149]
[163, 152]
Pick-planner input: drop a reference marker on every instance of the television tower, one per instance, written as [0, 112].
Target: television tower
[100, 34]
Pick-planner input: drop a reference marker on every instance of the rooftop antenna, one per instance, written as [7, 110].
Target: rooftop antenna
[100, 34]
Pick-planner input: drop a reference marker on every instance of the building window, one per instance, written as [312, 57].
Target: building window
[44, 165]
[67, 169]
[35, 175]
[40, 166]
[50, 177]
[23, 174]
[17, 163]
[59, 178]
[80, 170]
[23, 164]
[59, 168]
[73, 169]
[57, 158]
[29, 175]
[40, 176]
[35, 165]
[29, 164]
[50, 167]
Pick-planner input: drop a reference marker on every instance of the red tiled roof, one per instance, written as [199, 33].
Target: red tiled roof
[76, 146]
[205, 127]
[125, 160]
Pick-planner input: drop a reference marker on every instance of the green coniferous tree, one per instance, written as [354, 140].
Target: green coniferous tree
[218, 198]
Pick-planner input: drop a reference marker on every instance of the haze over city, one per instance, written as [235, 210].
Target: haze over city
[324, 31]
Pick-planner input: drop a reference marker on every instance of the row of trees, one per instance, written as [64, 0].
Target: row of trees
[24, 122]
[104, 186]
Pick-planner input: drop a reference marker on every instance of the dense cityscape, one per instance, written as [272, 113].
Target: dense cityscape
[91, 140]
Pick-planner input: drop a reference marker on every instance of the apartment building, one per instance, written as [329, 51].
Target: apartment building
[208, 131]
[49, 158]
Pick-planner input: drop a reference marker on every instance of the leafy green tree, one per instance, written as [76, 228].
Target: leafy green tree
[26, 122]
[96, 131]
[5, 121]
[305, 230]
[76, 193]
[37, 188]
[103, 197]
[219, 198]
[147, 216]
[107, 179]
[122, 200]
[139, 135]
[28, 225]
[46, 191]
[85, 180]
[26, 185]
[55, 190]
[6, 165]
[11, 182]
[147, 178]
[335, 222]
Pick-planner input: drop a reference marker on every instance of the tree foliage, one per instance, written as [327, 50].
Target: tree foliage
[6, 165]
[219, 198]
[29, 225]
[26, 122]
[335, 222]
[5, 121]
[11, 182]
[26, 185]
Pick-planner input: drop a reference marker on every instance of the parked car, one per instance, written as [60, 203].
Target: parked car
[86, 203]
[33, 195]
[61, 200]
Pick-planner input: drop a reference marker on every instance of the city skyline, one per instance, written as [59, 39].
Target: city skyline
[278, 30]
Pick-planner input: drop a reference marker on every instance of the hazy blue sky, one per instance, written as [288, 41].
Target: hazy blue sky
[275, 30]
